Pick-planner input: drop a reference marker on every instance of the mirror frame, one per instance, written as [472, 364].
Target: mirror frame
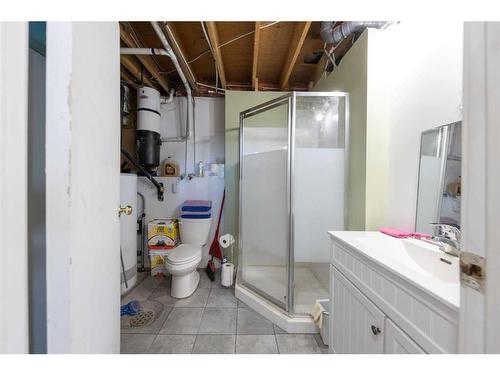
[446, 144]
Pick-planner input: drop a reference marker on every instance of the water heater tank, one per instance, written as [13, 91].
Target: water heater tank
[148, 127]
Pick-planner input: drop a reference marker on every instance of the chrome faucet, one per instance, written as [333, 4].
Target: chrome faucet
[448, 238]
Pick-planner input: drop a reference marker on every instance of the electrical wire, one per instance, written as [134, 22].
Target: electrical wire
[217, 88]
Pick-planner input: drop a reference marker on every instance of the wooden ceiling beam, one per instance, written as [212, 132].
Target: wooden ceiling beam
[175, 43]
[213, 35]
[256, 44]
[126, 76]
[146, 61]
[299, 36]
[134, 67]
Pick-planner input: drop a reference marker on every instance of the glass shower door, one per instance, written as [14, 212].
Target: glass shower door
[265, 199]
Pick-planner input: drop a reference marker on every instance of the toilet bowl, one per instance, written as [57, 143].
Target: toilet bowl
[182, 261]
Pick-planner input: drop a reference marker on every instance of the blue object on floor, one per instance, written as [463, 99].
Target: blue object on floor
[131, 308]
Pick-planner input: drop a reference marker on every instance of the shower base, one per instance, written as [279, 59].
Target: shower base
[271, 279]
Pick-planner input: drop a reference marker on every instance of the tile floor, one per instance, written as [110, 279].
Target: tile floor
[211, 321]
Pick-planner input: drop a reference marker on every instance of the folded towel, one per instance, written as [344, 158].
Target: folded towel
[395, 232]
[317, 314]
[402, 234]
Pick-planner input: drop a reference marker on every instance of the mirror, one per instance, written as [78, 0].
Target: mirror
[439, 186]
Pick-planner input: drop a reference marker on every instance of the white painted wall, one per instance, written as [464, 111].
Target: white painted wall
[82, 164]
[410, 89]
[13, 187]
[209, 116]
[397, 89]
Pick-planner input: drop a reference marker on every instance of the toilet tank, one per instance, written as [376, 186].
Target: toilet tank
[195, 231]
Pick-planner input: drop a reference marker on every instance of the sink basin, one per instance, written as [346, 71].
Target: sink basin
[433, 261]
[418, 262]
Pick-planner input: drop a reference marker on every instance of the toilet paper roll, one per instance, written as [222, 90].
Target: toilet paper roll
[227, 273]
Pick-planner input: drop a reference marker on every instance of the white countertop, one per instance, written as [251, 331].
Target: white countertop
[413, 260]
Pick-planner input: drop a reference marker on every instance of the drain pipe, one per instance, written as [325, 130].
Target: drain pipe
[331, 34]
[170, 98]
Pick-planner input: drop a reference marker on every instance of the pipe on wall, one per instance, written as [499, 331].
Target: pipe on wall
[335, 34]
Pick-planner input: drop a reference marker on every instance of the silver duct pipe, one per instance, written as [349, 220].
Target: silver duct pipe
[331, 34]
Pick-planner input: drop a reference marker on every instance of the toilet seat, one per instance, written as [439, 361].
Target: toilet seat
[183, 254]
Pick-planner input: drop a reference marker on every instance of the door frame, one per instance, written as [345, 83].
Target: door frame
[480, 217]
[14, 313]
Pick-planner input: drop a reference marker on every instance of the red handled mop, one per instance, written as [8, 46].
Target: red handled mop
[215, 250]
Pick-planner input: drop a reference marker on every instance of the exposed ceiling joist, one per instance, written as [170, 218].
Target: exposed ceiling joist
[299, 36]
[145, 60]
[213, 35]
[134, 67]
[178, 49]
[126, 76]
[256, 43]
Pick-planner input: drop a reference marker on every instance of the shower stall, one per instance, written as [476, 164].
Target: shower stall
[293, 162]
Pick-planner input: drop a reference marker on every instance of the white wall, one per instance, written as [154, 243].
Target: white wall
[209, 117]
[83, 195]
[413, 85]
[13, 187]
[209, 121]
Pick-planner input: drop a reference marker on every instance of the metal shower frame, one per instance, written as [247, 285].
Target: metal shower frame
[291, 100]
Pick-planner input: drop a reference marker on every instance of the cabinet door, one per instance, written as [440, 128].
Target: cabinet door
[398, 342]
[358, 325]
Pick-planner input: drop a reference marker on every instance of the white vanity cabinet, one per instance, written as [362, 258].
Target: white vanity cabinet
[358, 325]
[361, 327]
[376, 309]
[398, 342]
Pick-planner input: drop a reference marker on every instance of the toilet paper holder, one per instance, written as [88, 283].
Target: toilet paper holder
[227, 269]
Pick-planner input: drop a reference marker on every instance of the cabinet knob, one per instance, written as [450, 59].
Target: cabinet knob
[375, 330]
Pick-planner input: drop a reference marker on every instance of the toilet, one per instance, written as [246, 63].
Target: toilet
[182, 261]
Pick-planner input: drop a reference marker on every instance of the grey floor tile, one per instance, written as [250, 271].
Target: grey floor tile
[172, 344]
[135, 343]
[321, 345]
[141, 276]
[163, 296]
[166, 282]
[205, 282]
[218, 320]
[297, 344]
[197, 299]
[161, 313]
[279, 330]
[222, 298]
[241, 304]
[214, 344]
[139, 293]
[256, 344]
[152, 282]
[251, 322]
[216, 283]
[183, 320]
